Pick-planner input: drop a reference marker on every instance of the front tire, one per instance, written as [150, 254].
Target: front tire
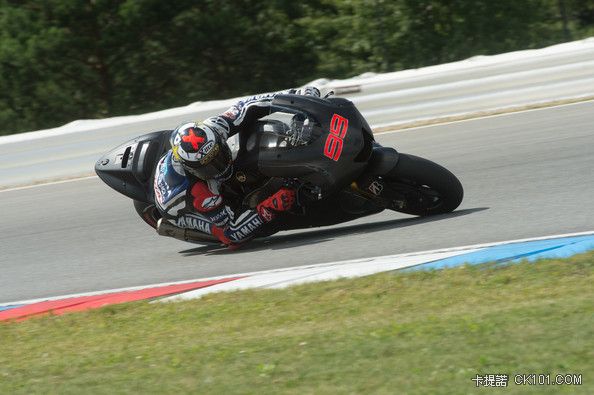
[427, 188]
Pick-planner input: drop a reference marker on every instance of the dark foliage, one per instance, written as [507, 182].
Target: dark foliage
[62, 60]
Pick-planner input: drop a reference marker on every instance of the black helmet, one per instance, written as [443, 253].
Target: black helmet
[201, 151]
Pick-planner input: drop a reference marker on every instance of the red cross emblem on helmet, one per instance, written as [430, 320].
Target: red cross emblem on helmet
[191, 138]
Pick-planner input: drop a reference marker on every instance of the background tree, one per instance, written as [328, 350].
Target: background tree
[62, 60]
[68, 59]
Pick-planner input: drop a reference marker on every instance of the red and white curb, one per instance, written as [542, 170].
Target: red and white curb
[281, 278]
[562, 245]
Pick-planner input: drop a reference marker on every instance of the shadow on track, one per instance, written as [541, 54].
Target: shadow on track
[322, 235]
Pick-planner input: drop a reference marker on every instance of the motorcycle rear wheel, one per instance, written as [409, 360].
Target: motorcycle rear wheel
[427, 187]
[148, 212]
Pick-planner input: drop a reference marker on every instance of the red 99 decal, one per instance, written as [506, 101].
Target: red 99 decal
[334, 142]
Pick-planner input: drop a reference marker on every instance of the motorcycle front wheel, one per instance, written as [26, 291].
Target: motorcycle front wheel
[423, 187]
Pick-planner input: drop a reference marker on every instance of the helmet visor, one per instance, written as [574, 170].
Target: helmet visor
[217, 167]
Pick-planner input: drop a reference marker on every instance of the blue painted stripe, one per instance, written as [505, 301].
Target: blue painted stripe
[515, 252]
[11, 306]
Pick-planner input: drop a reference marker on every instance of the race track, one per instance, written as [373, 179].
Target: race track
[525, 175]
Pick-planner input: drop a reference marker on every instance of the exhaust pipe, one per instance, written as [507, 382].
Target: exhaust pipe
[165, 228]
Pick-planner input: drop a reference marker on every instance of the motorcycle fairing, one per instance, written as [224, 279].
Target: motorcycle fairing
[129, 167]
[310, 162]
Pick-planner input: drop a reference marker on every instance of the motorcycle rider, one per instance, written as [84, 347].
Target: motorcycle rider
[189, 176]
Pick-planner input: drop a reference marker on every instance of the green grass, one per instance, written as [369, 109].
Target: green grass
[418, 333]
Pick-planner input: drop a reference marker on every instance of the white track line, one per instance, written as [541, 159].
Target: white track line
[312, 266]
[48, 183]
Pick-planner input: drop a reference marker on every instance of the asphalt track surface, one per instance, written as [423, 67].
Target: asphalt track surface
[525, 175]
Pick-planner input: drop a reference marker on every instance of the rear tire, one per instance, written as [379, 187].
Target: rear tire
[148, 212]
[430, 189]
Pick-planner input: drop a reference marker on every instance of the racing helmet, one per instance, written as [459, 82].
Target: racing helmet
[201, 151]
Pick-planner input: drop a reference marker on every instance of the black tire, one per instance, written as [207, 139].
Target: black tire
[148, 212]
[430, 188]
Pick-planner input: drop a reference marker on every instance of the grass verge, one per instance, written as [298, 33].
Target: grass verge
[417, 333]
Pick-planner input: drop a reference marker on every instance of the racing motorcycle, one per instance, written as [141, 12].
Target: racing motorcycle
[323, 147]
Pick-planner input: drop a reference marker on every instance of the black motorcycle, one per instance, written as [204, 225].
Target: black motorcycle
[325, 150]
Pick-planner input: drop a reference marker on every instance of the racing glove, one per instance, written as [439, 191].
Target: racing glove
[306, 91]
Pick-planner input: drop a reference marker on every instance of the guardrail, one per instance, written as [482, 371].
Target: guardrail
[477, 84]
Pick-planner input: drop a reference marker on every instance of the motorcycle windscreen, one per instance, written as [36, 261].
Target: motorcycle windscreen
[294, 126]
